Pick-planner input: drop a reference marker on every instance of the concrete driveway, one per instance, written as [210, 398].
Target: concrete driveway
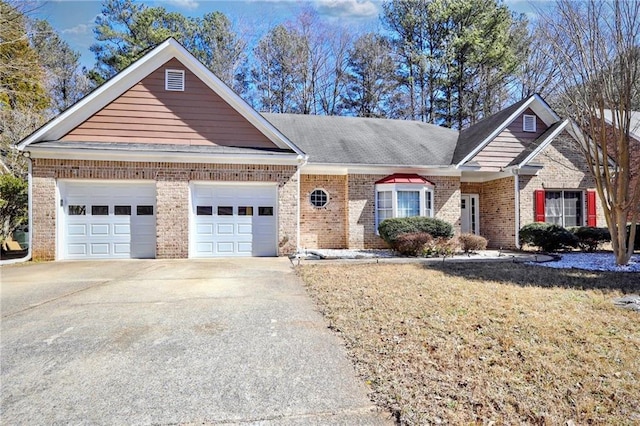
[171, 342]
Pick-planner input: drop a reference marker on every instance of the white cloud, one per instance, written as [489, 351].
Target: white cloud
[79, 29]
[184, 4]
[348, 8]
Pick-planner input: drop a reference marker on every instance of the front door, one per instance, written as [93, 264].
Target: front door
[469, 214]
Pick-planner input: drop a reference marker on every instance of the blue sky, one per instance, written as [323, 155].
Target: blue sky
[74, 19]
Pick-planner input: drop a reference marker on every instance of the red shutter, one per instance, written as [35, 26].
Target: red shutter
[591, 208]
[539, 207]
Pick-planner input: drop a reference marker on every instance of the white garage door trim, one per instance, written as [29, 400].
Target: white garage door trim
[106, 219]
[238, 219]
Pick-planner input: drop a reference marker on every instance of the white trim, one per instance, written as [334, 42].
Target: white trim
[544, 144]
[535, 101]
[178, 77]
[476, 216]
[531, 120]
[163, 156]
[516, 201]
[127, 78]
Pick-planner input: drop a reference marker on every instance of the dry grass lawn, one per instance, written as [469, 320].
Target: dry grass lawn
[478, 343]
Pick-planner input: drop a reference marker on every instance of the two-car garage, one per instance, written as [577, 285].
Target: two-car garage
[118, 220]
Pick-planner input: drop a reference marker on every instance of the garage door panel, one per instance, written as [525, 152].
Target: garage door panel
[224, 228]
[99, 229]
[225, 248]
[103, 220]
[234, 212]
[76, 230]
[121, 248]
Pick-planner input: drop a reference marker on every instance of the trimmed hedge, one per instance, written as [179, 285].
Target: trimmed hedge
[589, 237]
[391, 229]
[547, 236]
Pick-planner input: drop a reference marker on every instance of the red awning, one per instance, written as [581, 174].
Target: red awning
[405, 178]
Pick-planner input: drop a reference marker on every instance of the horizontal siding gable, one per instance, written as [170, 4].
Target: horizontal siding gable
[147, 113]
[508, 144]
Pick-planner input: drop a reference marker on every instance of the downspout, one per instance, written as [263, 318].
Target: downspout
[302, 161]
[516, 200]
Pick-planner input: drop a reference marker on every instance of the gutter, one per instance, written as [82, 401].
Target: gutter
[302, 161]
[516, 201]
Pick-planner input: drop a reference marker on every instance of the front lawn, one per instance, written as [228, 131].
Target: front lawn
[487, 342]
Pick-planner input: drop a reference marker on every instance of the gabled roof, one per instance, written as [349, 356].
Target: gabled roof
[367, 141]
[535, 147]
[121, 82]
[474, 138]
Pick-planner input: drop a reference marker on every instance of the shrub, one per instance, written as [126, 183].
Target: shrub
[440, 247]
[390, 229]
[472, 242]
[547, 236]
[412, 244]
[589, 237]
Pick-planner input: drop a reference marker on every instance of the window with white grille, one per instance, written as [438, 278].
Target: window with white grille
[528, 123]
[174, 80]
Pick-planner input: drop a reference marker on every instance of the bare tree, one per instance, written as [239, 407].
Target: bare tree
[594, 48]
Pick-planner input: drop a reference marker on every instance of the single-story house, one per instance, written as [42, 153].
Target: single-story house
[165, 161]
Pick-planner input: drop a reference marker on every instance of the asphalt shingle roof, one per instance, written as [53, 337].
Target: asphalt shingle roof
[374, 141]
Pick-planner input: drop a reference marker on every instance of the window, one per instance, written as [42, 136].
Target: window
[122, 210]
[99, 210]
[144, 210]
[245, 211]
[403, 200]
[77, 210]
[265, 211]
[566, 207]
[225, 210]
[204, 210]
[174, 80]
[319, 198]
[528, 123]
[563, 208]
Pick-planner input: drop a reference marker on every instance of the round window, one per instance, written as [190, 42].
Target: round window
[319, 198]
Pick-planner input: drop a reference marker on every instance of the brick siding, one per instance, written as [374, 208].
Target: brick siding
[323, 227]
[361, 207]
[172, 192]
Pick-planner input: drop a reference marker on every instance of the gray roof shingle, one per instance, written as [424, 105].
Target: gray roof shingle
[371, 141]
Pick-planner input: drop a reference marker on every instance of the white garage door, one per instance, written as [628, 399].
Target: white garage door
[108, 220]
[235, 220]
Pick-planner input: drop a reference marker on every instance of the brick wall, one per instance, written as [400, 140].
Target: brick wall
[497, 210]
[361, 207]
[564, 168]
[323, 227]
[172, 188]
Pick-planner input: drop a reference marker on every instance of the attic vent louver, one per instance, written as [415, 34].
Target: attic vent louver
[174, 80]
[528, 123]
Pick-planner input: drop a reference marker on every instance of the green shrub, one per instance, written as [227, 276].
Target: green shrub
[441, 247]
[412, 244]
[472, 242]
[589, 237]
[547, 236]
[636, 244]
[390, 229]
